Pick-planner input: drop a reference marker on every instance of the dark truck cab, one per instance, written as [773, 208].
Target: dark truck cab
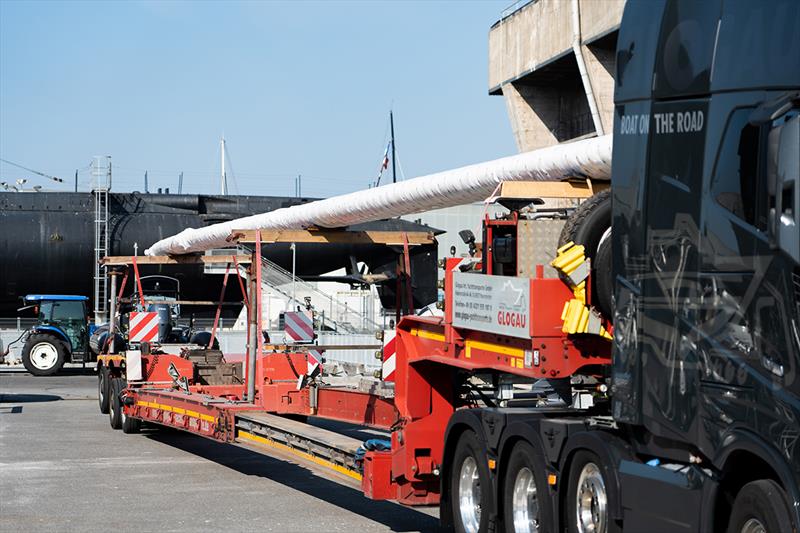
[706, 225]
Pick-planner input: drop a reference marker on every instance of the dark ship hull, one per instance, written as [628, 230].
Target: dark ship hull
[47, 244]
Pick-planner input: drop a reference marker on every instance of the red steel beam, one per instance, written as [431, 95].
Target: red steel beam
[356, 407]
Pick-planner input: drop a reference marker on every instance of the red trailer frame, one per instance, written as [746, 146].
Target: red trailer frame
[431, 352]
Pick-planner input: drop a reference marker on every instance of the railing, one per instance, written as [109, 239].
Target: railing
[331, 312]
[17, 323]
[513, 8]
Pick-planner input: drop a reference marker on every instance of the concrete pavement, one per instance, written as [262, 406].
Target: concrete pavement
[62, 468]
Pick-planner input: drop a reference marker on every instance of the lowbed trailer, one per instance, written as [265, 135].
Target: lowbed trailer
[649, 386]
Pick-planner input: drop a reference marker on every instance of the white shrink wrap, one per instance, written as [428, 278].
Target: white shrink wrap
[590, 158]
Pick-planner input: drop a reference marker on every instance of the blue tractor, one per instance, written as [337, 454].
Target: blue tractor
[61, 333]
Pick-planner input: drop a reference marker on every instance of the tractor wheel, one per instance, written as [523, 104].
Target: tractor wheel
[102, 389]
[588, 225]
[43, 354]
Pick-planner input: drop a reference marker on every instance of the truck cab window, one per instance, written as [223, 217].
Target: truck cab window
[738, 185]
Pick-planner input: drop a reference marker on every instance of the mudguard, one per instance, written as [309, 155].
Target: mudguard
[53, 331]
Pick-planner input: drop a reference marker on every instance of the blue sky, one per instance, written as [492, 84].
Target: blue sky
[296, 87]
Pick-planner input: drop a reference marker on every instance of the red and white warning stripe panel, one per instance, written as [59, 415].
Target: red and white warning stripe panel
[314, 358]
[389, 354]
[143, 327]
[298, 326]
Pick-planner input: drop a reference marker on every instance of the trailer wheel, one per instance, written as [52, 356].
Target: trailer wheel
[525, 492]
[587, 225]
[102, 389]
[115, 402]
[471, 487]
[587, 497]
[43, 354]
[761, 506]
[130, 425]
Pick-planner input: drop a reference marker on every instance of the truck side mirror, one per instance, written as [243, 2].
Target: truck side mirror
[787, 188]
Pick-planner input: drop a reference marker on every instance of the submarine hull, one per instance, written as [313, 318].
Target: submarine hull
[47, 244]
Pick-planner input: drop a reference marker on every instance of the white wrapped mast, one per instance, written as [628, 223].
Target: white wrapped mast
[590, 158]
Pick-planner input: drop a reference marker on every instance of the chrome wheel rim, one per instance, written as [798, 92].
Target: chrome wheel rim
[44, 356]
[469, 495]
[525, 503]
[753, 525]
[101, 393]
[592, 501]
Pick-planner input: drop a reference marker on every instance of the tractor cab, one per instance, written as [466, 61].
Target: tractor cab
[60, 335]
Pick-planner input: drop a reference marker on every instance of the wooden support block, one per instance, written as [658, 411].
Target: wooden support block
[332, 236]
[550, 189]
[174, 260]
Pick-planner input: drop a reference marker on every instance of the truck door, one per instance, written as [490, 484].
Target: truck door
[676, 153]
[70, 316]
[750, 317]
[674, 182]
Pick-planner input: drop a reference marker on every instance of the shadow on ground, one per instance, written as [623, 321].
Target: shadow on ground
[28, 398]
[393, 516]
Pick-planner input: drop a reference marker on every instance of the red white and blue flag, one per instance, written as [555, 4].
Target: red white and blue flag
[384, 163]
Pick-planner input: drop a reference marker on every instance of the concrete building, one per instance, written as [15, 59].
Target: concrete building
[553, 62]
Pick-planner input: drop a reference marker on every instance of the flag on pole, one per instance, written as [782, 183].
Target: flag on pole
[384, 163]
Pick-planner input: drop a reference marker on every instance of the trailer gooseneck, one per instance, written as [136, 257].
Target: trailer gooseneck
[649, 385]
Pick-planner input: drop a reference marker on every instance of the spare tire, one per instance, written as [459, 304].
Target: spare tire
[586, 226]
[602, 279]
[203, 338]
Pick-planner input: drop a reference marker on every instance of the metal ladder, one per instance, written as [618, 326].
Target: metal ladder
[101, 183]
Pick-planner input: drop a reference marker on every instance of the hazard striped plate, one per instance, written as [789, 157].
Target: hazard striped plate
[298, 326]
[143, 327]
[389, 355]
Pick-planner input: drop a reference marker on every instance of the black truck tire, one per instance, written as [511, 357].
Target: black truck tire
[115, 387]
[129, 424]
[586, 226]
[203, 338]
[526, 504]
[474, 508]
[43, 354]
[763, 503]
[102, 389]
[587, 484]
[603, 279]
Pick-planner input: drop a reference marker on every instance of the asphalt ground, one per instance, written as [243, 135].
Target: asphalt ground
[62, 468]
